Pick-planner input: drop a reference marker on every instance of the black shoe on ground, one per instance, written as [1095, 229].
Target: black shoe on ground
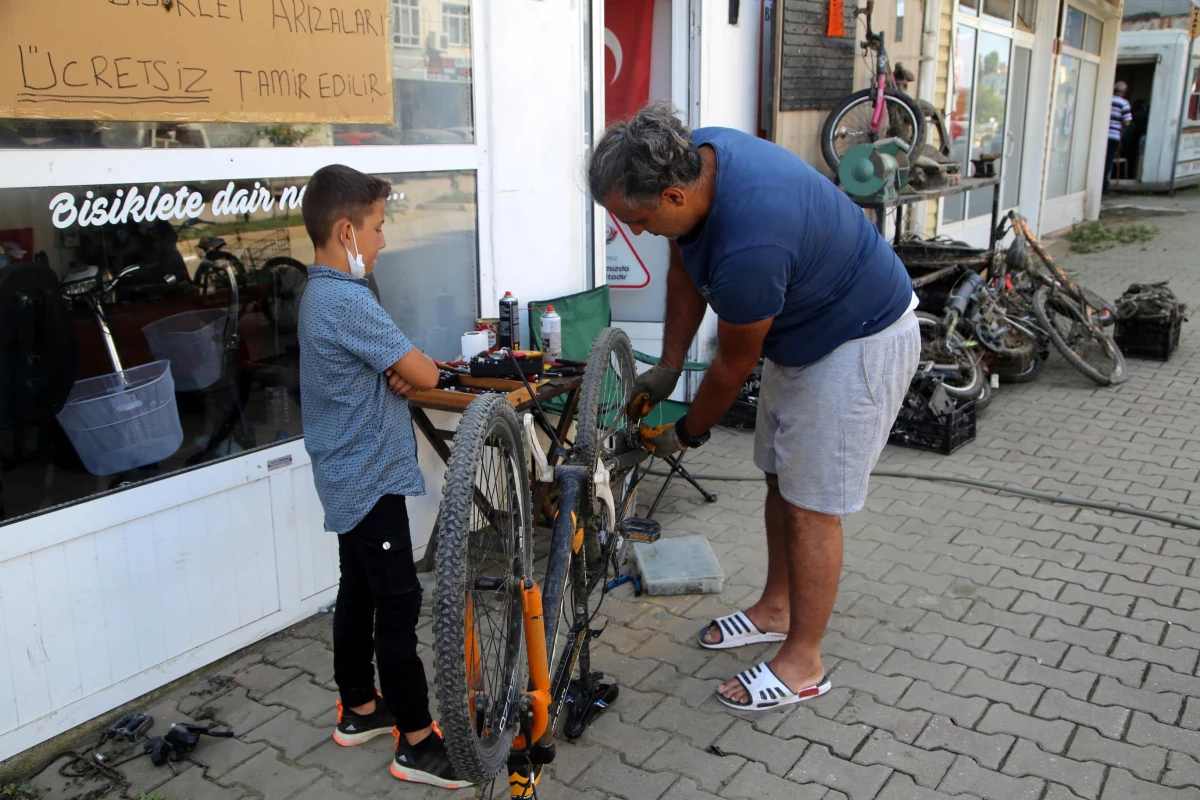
[425, 762]
[355, 729]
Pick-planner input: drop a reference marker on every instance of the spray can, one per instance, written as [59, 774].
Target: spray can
[551, 334]
[509, 334]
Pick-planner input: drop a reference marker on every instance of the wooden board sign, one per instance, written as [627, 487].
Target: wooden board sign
[287, 61]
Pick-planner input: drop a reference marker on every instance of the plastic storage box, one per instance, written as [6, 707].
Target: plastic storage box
[943, 434]
[1154, 339]
[194, 343]
[122, 421]
[685, 565]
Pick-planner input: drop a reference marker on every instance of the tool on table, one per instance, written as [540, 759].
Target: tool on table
[875, 171]
[509, 334]
[506, 363]
[182, 738]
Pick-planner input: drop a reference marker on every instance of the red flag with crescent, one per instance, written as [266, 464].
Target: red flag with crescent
[628, 31]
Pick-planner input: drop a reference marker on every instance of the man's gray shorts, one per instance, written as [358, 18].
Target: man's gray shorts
[821, 427]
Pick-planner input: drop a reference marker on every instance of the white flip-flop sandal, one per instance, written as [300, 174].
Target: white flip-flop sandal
[736, 631]
[767, 691]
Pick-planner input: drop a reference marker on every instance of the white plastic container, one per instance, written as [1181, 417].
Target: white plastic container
[683, 565]
[551, 334]
[194, 343]
[122, 421]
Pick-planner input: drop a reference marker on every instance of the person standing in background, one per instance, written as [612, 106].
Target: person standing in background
[1118, 119]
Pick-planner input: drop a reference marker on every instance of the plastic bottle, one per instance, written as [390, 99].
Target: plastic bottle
[551, 334]
[510, 323]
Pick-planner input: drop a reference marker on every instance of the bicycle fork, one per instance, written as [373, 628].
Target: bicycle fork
[538, 724]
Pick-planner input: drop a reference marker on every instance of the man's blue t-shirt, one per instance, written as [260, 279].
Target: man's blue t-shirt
[783, 242]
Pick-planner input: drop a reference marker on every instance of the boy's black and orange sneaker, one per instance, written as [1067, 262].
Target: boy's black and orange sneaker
[523, 781]
[426, 762]
[355, 729]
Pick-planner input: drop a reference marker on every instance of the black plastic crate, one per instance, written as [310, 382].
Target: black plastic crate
[943, 434]
[741, 416]
[1149, 338]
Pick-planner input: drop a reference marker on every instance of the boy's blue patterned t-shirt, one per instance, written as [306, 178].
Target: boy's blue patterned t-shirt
[357, 432]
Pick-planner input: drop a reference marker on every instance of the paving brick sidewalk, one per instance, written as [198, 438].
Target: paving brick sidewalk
[983, 645]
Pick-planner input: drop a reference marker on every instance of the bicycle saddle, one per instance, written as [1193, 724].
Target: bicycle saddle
[212, 242]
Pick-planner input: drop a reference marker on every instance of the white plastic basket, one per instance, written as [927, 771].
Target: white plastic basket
[122, 421]
[194, 343]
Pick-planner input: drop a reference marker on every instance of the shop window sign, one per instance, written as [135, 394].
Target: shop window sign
[193, 244]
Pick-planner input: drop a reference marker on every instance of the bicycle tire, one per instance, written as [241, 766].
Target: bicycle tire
[1028, 375]
[1080, 294]
[607, 386]
[488, 436]
[209, 279]
[1049, 303]
[956, 349]
[285, 315]
[897, 102]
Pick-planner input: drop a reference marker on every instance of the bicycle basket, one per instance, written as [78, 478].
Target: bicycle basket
[122, 421]
[194, 343]
[262, 246]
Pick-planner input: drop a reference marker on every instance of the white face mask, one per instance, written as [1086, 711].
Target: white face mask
[357, 267]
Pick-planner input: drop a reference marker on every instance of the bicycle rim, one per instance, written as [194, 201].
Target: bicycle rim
[965, 382]
[483, 553]
[1082, 343]
[853, 125]
[606, 431]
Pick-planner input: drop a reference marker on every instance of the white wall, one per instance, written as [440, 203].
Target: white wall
[729, 65]
[530, 118]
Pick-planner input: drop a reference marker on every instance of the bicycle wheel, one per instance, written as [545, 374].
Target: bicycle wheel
[935, 129]
[1103, 310]
[483, 554]
[211, 276]
[850, 124]
[285, 281]
[953, 361]
[604, 432]
[1083, 343]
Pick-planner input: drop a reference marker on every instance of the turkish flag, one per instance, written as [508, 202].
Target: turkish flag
[629, 27]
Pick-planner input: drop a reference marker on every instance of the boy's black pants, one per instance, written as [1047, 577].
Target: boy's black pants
[378, 602]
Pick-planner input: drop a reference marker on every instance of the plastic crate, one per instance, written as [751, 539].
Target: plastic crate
[1154, 339]
[741, 416]
[938, 434]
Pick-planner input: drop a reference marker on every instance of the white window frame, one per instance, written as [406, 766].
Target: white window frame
[463, 19]
[37, 168]
[1082, 55]
[981, 23]
[406, 11]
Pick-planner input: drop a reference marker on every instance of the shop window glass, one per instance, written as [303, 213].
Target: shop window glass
[1085, 107]
[1063, 123]
[235, 367]
[899, 20]
[999, 10]
[431, 91]
[1091, 35]
[1076, 21]
[991, 94]
[959, 125]
[970, 7]
[1027, 15]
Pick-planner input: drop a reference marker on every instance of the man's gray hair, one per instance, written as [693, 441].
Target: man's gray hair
[641, 157]
[1121, 87]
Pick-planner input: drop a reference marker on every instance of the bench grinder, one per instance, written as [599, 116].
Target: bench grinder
[876, 171]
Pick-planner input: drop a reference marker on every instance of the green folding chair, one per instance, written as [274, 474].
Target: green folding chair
[584, 315]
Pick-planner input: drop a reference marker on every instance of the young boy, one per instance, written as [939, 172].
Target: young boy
[356, 368]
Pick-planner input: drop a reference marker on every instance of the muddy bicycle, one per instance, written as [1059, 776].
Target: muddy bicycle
[512, 651]
[1075, 319]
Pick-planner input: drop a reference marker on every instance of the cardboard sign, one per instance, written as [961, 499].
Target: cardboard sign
[196, 60]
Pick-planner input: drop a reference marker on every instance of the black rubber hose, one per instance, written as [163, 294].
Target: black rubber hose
[992, 487]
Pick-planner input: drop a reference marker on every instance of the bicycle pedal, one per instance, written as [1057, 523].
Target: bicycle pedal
[637, 529]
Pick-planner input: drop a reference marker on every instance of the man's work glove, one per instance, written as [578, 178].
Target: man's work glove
[662, 440]
[651, 388]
